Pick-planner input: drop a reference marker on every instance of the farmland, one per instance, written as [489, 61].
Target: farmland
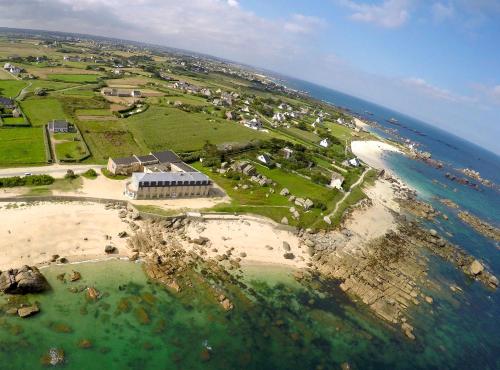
[10, 88]
[78, 78]
[21, 146]
[41, 111]
[159, 128]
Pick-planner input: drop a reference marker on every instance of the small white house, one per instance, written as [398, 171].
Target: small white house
[340, 121]
[264, 158]
[279, 117]
[354, 162]
[254, 124]
[336, 181]
[7, 66]
[325, 143]
[287, 152]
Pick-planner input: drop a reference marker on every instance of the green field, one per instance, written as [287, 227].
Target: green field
[159, 128]
[70, 150]
[41, 111]
[109, 139]
[21, 146]
[303, 135]
[14, 121]
[93, 112]
[78, 78]
[11, 88]
[65, 135]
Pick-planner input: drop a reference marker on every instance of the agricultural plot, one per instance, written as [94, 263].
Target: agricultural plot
[11, 88]
[21, 146]
[70, 150]
[76, 78]
[159, 128]
[4, 75]
[109, 139]
[41, 111]
[14, 121]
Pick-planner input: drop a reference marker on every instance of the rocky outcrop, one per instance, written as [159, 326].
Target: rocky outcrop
[22, 281]
[480, 226]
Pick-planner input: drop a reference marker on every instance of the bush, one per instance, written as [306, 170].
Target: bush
[70, 174]
[34, 180]
[90, 174]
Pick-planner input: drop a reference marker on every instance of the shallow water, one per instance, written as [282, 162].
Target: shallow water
[139, 325]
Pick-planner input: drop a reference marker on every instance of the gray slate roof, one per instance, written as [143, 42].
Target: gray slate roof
[125, 160]
[167, 156]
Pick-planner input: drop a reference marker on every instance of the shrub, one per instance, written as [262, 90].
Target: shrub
[70, 174]
[34, 180]
[90, 174]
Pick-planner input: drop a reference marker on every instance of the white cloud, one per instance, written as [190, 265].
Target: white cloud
[217, 27]
[387, 14]
[300, 23]
[442, 12]
[436, 92]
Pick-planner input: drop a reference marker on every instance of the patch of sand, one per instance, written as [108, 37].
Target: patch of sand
[31, 234]
[360, 124]
[372, 152]
[259, 238]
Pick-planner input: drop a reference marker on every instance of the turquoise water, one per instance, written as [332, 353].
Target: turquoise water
[276, 324]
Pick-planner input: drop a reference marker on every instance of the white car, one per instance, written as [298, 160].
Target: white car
[28, 174]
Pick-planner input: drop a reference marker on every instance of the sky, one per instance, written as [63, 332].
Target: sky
[435, 60]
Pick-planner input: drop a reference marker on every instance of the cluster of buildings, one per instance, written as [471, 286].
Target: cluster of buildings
[160, 175]
[12, 68]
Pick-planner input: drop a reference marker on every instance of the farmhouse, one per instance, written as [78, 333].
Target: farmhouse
[336, 181]
[7, 103]
[287, 152]
[122, 93]
[264, 158]
[57, 125]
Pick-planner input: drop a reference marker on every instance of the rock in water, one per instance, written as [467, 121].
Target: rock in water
[22, 281]
[28, 311]
[75, 276]
[54, 357]
[476, 267]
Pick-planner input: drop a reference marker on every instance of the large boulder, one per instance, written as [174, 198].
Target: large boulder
[22, 281]
[28, 311]
[476, 267]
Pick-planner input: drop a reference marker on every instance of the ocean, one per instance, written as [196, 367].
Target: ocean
[137, 324]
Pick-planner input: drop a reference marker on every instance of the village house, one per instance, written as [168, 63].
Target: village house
[122, 93]
[287, 152]
[325, 143]
[254, 124]
[60, 126]
[279, 117]
[336, 181]
[264, 158]
[69, 58]
[7, 103]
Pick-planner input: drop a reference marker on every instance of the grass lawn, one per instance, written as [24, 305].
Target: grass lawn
[78, 78]
[304, 135]
[82, 90]
[109, 139]
[159, 128]
[49, 85]
[59, 185]
[93, 112]
[42, 110]
[10, 88]
[64, 135]
[14, 120]
[21, 146]
[70, 150]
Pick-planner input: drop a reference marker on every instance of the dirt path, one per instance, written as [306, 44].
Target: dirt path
[361, 178]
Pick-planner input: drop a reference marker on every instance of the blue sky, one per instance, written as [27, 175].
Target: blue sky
[436, 60]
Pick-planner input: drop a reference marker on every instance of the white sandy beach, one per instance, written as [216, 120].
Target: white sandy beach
[31, 234]
[258, 238]
[372, 152]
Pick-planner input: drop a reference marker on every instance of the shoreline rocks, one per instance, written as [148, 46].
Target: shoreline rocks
[22, 281]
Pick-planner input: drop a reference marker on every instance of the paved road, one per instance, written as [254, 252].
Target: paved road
[55, 170]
